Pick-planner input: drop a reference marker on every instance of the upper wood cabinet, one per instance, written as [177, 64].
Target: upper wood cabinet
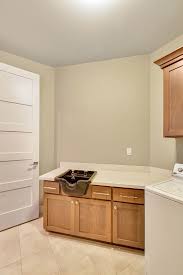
[172, 66]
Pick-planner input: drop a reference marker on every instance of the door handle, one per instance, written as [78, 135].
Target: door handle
[128, 197]
[100, 193]
[35, 163]
[49, 188]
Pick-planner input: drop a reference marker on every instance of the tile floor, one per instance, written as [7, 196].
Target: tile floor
[29, 250]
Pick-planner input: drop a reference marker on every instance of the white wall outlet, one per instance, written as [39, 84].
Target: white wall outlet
[129, 151]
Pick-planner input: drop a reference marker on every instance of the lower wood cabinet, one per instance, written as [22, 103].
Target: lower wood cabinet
[59, 213]
[117, 217]
[93, 219]
[128, 224]
[80, 217]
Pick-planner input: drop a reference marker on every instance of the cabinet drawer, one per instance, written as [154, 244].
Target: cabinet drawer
[101, 192]
[86, 196]
[51, 187]
[128, 195]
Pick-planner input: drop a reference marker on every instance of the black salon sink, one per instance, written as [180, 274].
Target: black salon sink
[75, 182]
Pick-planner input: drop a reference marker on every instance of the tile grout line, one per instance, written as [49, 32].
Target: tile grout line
[4, 266]
[60, 269]
[14, 261]
[20, 249]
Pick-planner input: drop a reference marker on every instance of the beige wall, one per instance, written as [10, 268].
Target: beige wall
[102, 108]
[163, 151]
[47, 97]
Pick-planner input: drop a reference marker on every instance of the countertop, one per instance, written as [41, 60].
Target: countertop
[137, 177]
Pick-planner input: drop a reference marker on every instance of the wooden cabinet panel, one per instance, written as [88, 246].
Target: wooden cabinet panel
[173, 100]
[128, 195]
[128, 224]
[101, 192]
[59, 213]
[88, 194]
[93, 219]
[51, 187]
[172, 66]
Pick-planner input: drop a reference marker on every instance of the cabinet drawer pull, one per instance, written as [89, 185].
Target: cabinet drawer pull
[50, 188]
[115, 207]
[100, 193]
[128, 197]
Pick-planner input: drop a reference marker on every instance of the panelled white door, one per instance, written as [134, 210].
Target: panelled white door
[19, 146]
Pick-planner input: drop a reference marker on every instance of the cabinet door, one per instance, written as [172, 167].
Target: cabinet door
[59, 213]
[128, 224]
[173, 100]
[93, 219]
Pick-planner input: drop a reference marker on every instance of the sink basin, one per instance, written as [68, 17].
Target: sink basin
[75, 182]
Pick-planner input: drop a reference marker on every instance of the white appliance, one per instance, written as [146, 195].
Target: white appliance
[164, 226]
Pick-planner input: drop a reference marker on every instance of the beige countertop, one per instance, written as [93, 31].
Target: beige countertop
[115, 175]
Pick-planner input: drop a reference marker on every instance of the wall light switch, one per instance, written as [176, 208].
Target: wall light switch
[129, 151]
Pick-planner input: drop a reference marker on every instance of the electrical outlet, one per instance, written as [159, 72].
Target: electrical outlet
[129, 151]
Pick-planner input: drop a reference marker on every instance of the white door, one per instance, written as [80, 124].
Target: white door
[19, 146]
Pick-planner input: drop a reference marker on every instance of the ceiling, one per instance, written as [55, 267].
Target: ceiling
[61, 32]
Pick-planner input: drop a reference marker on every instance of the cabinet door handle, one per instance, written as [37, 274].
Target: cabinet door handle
[72, 202]
[128, 197]
[115, 207]
[50, 188]
[76, 202]
[100, 193]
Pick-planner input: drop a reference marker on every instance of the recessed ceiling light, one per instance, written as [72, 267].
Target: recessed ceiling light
[94, 6]
[95, 2]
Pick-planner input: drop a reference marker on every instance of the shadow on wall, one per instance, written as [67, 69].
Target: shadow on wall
[179, 150]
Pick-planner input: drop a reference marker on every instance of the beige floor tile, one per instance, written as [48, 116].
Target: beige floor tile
[139, 265]
[122, 258]
[46, 253]
[12, 269]
[9, 246]
[42, 263]
[108, 260]
[136, 267]
[85, 256]
[33, 238]
[72, 258]
[130, 271]
[34, 226]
